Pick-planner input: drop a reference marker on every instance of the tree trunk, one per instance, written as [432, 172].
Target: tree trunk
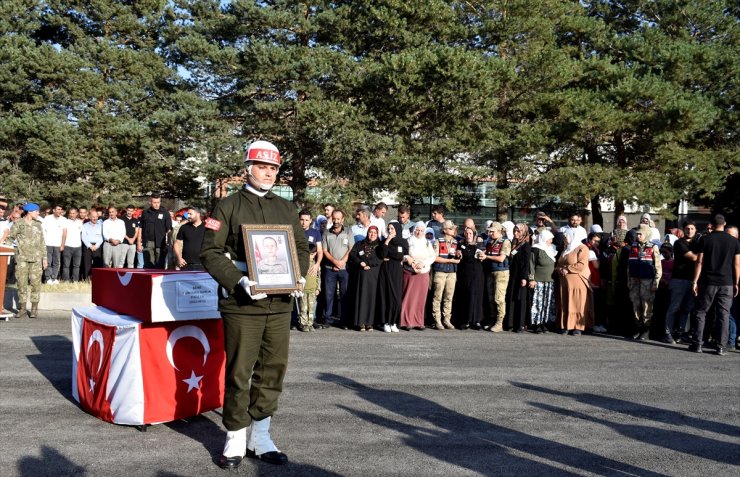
[596, 215]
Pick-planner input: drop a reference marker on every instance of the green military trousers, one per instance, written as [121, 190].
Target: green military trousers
[256, 349]
[28, 273]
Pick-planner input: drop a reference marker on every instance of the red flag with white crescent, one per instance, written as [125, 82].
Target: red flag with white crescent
[183, 367]
[93, 368]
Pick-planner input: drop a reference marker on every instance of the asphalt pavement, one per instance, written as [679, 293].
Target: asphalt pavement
[417, 403]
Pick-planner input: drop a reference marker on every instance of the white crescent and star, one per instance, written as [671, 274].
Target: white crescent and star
[96, 337]
[125, 278]
[192, 331]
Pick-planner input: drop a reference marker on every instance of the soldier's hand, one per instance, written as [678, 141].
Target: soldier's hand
[299, 292]
[247, 284]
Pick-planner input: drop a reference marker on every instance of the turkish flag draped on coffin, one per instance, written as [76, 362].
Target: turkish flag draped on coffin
[94, 368]
[183, 368]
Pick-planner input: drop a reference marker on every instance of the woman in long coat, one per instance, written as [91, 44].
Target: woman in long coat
[576, 299]
[417, 265]
[517, 292]
[390, 286]
[365, 259]
[470, 287]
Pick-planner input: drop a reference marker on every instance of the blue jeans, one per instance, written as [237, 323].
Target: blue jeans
[139, 259]
[733, 331]
[331, 277]
[681, 304]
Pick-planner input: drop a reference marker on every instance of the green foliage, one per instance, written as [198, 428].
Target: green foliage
[555, 101]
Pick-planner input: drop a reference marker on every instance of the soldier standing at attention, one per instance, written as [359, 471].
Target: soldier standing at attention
[256, 327]
[29, 236]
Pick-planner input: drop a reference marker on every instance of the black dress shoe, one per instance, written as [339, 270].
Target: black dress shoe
[229, 462]
[275, 457]
[720, 350]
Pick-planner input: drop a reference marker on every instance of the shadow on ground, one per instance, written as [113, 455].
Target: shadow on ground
[475, 444]
[54, 362]
[50, 463]
[204, 430]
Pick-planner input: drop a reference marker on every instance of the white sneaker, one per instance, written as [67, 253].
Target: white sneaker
[387, 328]
[394, 329]
[236, 443]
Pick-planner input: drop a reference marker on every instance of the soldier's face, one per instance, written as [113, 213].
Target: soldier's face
[305, 221]
[264, 175]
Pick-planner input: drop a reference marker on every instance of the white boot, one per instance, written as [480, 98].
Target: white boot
[234, 449]
[260, 443]
[236, 443]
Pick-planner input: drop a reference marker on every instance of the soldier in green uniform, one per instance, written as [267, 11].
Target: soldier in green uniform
[256, 327]
[30, 258]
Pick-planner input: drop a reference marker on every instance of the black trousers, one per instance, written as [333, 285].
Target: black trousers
[91, 260]
[721, 298]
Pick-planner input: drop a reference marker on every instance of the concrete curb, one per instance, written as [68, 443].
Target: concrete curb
[50, 300]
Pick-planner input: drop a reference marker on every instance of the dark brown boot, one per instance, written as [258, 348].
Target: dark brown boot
[21, 312]
[34, 310]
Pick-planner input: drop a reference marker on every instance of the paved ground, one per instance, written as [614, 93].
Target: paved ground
[414, 404]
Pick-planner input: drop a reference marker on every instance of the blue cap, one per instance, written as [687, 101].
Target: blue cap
[31, 207]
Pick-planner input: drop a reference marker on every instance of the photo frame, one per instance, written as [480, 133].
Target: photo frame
[272, 260]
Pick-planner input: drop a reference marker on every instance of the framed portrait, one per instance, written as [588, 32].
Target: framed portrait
[272, 260]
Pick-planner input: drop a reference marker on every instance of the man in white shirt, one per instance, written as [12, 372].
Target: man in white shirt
[72, 254]
[377, 219]
[114, 233]
[574, 222]
[55, 234]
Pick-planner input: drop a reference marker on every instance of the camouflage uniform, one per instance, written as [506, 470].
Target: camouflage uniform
[29, 256]
[644, 271]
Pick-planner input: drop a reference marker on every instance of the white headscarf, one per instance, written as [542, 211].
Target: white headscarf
[670, 238]
[575, 236]
[541, 243]
[509, 227]
[596, 228]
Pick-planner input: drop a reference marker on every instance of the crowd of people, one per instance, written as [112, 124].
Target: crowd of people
[434, 274]
[68, 243]
[515, 277]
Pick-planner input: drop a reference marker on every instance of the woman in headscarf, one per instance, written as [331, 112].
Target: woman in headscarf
[470, 287]
[390, 286]
[417, 265]
[365, 259]
[517, 292]
[541, 268]
[576, 300]
[622, 223]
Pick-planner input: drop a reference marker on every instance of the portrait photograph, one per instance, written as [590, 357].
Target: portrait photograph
[272, 261]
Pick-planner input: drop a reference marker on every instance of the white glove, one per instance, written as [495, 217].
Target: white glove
[299, 293]
[246, 283]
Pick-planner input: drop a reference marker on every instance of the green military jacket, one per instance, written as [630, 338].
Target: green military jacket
[29, 239]
[223, 236]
